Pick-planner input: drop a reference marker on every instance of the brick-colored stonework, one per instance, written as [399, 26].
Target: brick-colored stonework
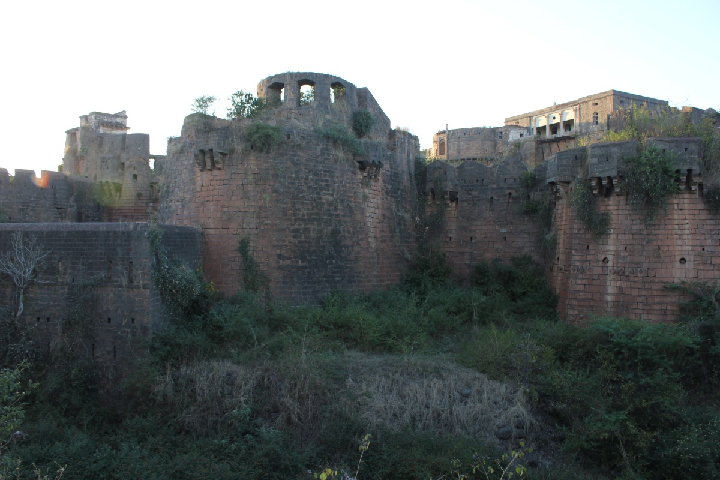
[113, 257]
[318, 217]
[484, 218]
[322, 217]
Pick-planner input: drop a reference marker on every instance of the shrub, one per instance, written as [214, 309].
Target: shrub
[650, 180]
[521, 286]
[340, 136]
[245, 105]
[362, 122]
[263, 136]
[585, 209]
[202, 104]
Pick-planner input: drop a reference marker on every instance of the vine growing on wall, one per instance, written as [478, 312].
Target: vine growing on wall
[179, 286]
[254, 279]
[542, 207]
[585, 208]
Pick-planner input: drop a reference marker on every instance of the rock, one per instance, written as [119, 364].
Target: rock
[503, 433]
[520, 433]
[465, 392]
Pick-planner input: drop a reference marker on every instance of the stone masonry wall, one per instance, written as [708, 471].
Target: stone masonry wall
[318, 218]
[484, 219]
[624, 272]
[114, 261]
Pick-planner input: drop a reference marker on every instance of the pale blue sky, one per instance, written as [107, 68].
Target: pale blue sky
[464, 63]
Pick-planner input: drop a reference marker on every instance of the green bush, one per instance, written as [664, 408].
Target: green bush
[650, 180]
[362, 122]
[245, 105]
[340, 136]
[521, 285]
[263, 136]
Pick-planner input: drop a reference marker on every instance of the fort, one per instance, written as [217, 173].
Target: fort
[324, 210]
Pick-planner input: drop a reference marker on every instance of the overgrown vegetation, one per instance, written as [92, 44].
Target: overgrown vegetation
[362, 123]
[254, 279]
[341, 137]
[202, 104]
[641, 123]
[585, 208]
[245, 105]
[247, 388]
[542, 207]
[263, 136]
[650, 180]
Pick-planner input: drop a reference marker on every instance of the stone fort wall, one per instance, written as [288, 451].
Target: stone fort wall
[622, 273]
[113, 261]
[318, 217]
[484, 219]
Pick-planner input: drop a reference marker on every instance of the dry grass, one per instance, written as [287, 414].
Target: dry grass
[206, 393]
[306, 392]
[431, 395]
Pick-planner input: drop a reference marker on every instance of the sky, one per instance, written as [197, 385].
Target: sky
[457, 62]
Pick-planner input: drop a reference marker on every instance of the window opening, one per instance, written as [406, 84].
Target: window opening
[596, 118]
[441, 147]
[134, 177]
[109, 273]
[130, 272]
[337, 93]
[276, 94]
[307, 92]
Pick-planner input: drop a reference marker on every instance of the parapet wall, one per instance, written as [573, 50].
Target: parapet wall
[56, 197]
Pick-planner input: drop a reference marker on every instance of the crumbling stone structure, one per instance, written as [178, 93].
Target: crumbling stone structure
[622, 273]
[101, 150]
[319, 216]
[325, 211]
[535, 136]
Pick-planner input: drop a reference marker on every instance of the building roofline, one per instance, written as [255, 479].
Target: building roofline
[580, 100]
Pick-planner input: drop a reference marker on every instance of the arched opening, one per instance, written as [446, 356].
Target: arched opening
[276, 94]
[337, 93]
[307, 92]
[441, 147]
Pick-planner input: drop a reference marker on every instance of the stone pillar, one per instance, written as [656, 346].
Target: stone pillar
[547, 126]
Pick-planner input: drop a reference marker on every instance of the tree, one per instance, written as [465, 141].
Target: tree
[22, 263]
[202, 104]
[245, 105]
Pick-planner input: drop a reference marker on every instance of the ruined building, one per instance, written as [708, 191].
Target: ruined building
[533, 137]
[322, 210]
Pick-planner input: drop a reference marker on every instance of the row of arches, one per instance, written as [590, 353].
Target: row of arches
[276, 93]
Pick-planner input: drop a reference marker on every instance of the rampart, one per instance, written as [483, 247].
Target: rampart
[484, 217]
[319, 216]
[621, 273]
[110, 262]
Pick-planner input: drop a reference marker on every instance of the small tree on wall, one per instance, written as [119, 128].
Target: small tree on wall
[22, 263]
[202, 104]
